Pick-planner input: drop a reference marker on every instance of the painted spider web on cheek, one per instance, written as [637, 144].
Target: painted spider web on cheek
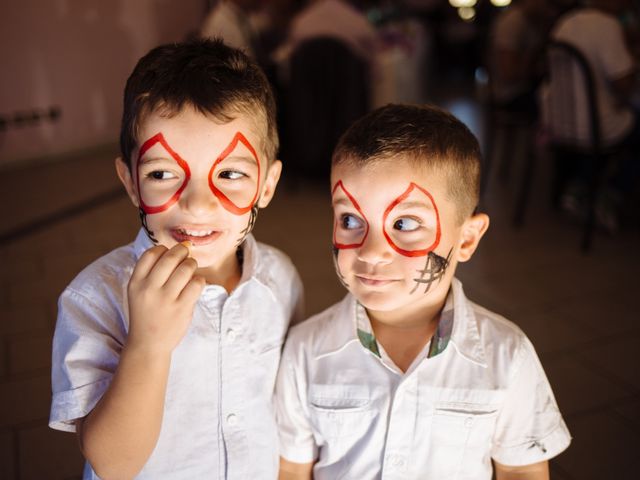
[433, 271]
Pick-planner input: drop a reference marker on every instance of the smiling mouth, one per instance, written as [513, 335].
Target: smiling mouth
[195, 236]
[375, 282]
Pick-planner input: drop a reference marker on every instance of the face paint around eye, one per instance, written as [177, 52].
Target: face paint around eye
[237, 200]
[152, 200]
[412, 247]
[349, 231]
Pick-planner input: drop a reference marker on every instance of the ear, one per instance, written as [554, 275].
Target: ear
[472, 231]
[269, 187]
[124, 174]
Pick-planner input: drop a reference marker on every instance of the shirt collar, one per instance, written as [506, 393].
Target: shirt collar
[458, 326]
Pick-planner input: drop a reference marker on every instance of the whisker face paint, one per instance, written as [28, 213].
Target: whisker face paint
[335, 251]
[143, 220]
[253, 215]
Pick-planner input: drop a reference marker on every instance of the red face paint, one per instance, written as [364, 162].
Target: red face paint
[335, 225]
[417, 252]
[150, 209]
[225, 201]
[412, 189]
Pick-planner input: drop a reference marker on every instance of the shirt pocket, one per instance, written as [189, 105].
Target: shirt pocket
[461, 435]
[341, 411]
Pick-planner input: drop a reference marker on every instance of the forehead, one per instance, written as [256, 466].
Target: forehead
[195, 136]
[389, 178]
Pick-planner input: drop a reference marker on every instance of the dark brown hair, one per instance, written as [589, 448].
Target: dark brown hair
[428, 136]
[207, 75]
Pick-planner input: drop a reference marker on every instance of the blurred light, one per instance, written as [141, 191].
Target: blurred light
[463, 3]
[482, 76]
[467, 13]
[500, 3]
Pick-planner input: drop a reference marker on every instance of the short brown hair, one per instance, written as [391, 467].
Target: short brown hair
[205, 74]
[428, 136]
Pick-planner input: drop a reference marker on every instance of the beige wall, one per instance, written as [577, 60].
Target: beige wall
[77, 54]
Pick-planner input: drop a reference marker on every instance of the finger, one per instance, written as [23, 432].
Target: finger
[180, 277]
[192, 290]
[147, 261]
[166, 265]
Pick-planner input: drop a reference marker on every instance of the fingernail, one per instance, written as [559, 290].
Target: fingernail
[187, 244]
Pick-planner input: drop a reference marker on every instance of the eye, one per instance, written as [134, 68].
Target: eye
[231, 175]
[349, 222]
[406, 224]
[161, 175]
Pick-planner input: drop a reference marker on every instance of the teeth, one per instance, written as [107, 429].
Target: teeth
[196, 233]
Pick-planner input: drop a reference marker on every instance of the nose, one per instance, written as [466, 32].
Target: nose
[197, 199]
[375, 249]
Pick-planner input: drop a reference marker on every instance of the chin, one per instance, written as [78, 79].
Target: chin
[381, 302]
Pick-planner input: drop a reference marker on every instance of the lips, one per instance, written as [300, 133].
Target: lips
[197, 236]
[371, 281]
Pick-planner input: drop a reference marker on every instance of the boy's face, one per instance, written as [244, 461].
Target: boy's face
[200, 180]
[397, 238]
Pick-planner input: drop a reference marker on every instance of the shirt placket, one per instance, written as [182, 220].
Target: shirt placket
[401, 430]
[233, 363]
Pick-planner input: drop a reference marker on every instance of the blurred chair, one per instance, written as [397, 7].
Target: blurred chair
[571, 92]
[508, 132]
[328, 90]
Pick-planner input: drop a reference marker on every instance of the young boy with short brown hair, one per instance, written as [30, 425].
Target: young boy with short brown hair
[405, 378]
[166, 350]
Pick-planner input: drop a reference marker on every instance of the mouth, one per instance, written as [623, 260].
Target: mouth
[371, 281]
[197, 236]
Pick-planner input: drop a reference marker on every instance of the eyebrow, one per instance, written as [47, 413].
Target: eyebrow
[344, 201]
[156, 159]
[410, 205]
[241, 158]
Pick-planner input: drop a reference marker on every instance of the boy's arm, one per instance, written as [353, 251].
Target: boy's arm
[535, 471]
[295, 471]
[120, 433]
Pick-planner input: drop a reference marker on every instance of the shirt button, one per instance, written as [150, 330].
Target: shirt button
[231, 335]
[232, 420]
[468, 422]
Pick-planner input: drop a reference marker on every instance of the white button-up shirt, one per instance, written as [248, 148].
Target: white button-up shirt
[476, 392]
[219, 418]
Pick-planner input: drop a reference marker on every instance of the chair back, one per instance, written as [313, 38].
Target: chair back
[571, 99]
[329, 89]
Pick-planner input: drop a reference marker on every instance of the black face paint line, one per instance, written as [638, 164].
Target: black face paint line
[433, 271]
[253, 215]
[335, 250]
[143, 220]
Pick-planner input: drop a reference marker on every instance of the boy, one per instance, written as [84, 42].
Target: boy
[405, 378]
[165, 356]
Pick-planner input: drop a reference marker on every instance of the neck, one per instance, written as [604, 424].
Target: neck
[227, 274]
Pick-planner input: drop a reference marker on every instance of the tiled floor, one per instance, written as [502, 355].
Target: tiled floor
[578, 310]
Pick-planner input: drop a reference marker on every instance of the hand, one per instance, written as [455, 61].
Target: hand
[163, 291]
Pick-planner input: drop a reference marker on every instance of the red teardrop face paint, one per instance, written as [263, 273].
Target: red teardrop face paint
[399, 230]
[165, 175]
[399, 227]
[349, 231]
[234, 177]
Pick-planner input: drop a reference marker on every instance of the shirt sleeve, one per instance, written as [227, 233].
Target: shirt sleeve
[86, 350]
[529, 427]
[297, 442]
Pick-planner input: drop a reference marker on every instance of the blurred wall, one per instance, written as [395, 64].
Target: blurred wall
[65, 63]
